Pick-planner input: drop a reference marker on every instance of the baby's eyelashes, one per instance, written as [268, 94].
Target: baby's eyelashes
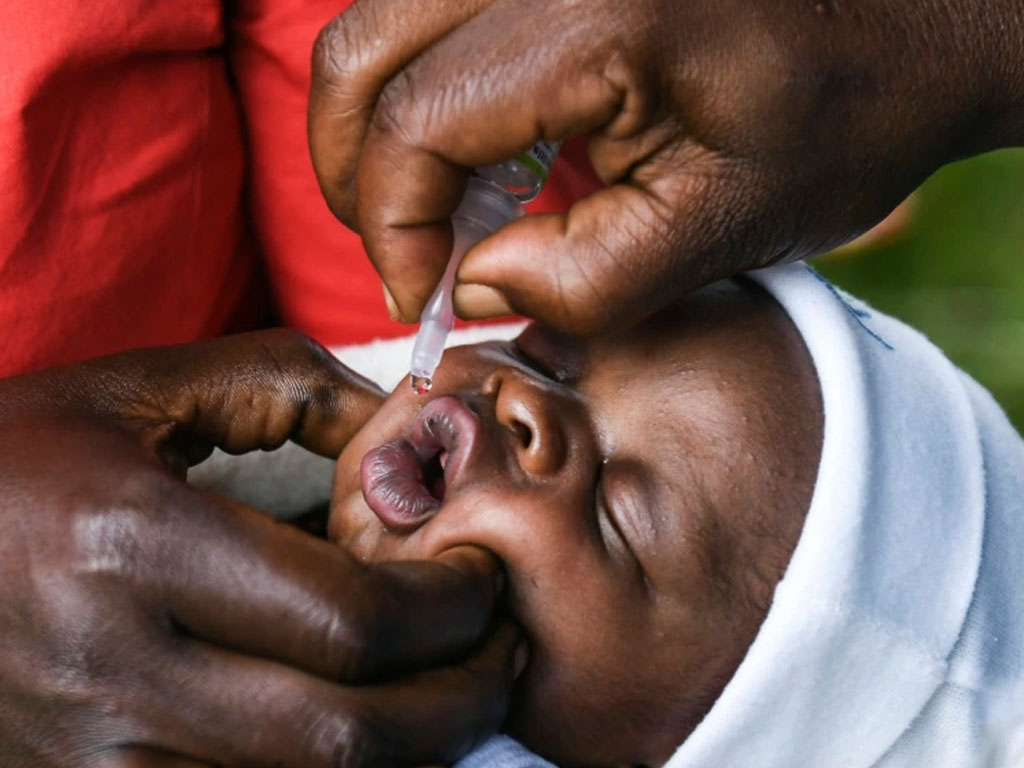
[555, 356]
[623, 515]
[532, 363]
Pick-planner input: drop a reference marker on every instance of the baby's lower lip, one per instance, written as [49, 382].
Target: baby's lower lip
[394, 488]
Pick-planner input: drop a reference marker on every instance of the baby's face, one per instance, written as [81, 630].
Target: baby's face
[644, 491]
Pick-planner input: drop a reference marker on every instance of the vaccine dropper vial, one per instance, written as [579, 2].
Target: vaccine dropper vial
[494, 197]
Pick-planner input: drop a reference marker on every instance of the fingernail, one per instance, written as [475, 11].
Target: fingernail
[476, 302]
[392, 305]
[522, 655]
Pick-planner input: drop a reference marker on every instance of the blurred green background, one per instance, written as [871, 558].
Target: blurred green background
[957, 272]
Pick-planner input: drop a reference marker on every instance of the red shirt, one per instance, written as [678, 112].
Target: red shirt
[127, 131]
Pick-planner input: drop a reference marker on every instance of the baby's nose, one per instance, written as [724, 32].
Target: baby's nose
[532, 414]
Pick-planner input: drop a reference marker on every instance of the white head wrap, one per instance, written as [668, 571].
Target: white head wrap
[896, 637]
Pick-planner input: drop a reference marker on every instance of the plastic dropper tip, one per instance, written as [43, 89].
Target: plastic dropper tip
[421, 384]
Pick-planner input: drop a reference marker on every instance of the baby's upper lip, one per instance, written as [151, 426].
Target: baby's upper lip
[449, 425]
[394, 477]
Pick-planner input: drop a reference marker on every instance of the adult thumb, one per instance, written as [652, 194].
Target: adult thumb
[615, 257]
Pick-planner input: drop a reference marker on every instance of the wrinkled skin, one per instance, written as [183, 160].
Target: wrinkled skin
[146, 624]
[732, 134]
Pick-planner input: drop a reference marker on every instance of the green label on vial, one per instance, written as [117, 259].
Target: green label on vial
[540, 157]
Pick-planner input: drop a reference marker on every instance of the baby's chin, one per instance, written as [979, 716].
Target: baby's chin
[355, 528]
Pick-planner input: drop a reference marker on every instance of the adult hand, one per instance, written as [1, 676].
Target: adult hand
[732, 134]
[143, 623]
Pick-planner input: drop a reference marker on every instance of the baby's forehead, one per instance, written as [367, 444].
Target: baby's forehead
[704, 362]
[723, 324]
[716, 396]
[694, 426]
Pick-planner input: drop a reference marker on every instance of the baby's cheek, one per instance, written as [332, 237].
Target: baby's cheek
[354, 527]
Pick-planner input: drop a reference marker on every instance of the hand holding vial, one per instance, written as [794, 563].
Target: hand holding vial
[731, 135]
[493, 197]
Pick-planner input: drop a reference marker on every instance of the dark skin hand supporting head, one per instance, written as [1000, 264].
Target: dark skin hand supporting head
[145, 623]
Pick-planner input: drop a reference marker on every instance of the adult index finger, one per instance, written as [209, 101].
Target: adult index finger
[354, 58]
[239, 393]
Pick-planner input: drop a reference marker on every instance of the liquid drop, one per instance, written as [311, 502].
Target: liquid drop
[421, 384]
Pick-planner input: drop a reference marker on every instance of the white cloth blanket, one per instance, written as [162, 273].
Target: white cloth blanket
[896, 638]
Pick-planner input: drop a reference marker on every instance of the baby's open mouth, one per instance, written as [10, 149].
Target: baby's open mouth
[405, 481]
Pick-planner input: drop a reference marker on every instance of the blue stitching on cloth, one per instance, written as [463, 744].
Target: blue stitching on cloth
[860, 315]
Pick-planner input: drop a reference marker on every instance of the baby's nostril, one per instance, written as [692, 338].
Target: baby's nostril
[524, 433]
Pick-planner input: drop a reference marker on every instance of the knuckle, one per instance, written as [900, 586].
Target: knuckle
[351, 639]
[399, 113]
[300, 372]
[313, 365]
[326, 50]
[106, 541]
[345, 46]
[286, 339]
[293, 354]
[89, 664]
[74, 723]
[94, 635]
[345, 739]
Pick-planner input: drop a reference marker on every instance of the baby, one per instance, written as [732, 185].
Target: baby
[764, 525]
